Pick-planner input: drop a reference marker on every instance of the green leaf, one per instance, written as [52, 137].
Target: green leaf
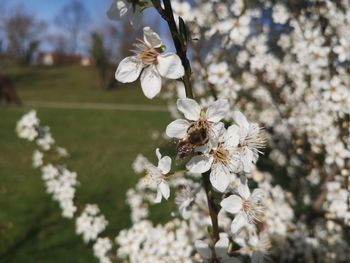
[183, 31]
[210, 229]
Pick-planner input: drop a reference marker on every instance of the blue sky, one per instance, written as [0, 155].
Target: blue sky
[46, 10]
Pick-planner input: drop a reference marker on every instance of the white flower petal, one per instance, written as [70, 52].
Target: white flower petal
[203, 249]
[159, 156]
[189, 108]
[164, 189]
[203, 149]
[217, 132]
[117, 10]
[240, 119]
[247, 159]
[151, 38]
[218, 110]
[177, 129]
[129, 69]
[170, 66]
[200, 164]
[232, 136]
[238, 222]
[257, 196]
[151, 82]
[221, 246]
[164, 164]
[235, 164]
[232, 204]
[219, 178]
[243, 188]
[158, 198]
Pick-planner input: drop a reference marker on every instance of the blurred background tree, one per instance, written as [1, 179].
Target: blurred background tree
[23, 33]
[73, 19]
[106, 51]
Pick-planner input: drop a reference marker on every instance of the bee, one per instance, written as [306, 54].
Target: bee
[197, 135]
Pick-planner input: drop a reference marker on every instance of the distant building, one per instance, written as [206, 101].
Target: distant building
[86, 61]
[56, 58]
[47, 59]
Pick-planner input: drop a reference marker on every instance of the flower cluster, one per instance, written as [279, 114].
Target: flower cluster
[101, 249]
[284, 65]
[59, 181]
[90, 223]
[27, 126]
[220, 150]
[147, 243]
[61, 184]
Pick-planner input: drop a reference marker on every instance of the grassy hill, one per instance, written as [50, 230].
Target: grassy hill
[102, 144]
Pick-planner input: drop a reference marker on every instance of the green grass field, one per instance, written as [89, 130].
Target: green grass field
[70, 84]
[102, 144]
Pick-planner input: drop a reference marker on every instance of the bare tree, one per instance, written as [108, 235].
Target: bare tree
[73, 19]
[59, 42]
[99, 53]
[106, 50]
[23, 33]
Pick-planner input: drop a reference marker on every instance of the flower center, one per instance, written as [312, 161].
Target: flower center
[153, 175]
[147, 54]
[254, 210]
[246, 205]
[221, 155]
[254, 140]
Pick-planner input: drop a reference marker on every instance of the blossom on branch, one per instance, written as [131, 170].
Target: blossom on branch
[247, 207]
[221, 250]
[27, 126]
[251, 140]
[201, 125]
[222, 159]
[122, 8]
[156, 176]
[151, 63]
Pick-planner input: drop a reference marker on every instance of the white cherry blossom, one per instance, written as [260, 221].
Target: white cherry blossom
[101, 247]
[37, 159]
[221, 250]
[222, 159]
[343, 49]
[90, 223]
[248, 208]
[197, 117]
[27, 126]
[157, 176]
[218, 74]
[122, 8]
[280, 14]
[150, 63]
[251, 140]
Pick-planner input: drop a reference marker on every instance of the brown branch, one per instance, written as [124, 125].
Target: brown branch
[213, 211]
[181, 50]
[180, 46]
